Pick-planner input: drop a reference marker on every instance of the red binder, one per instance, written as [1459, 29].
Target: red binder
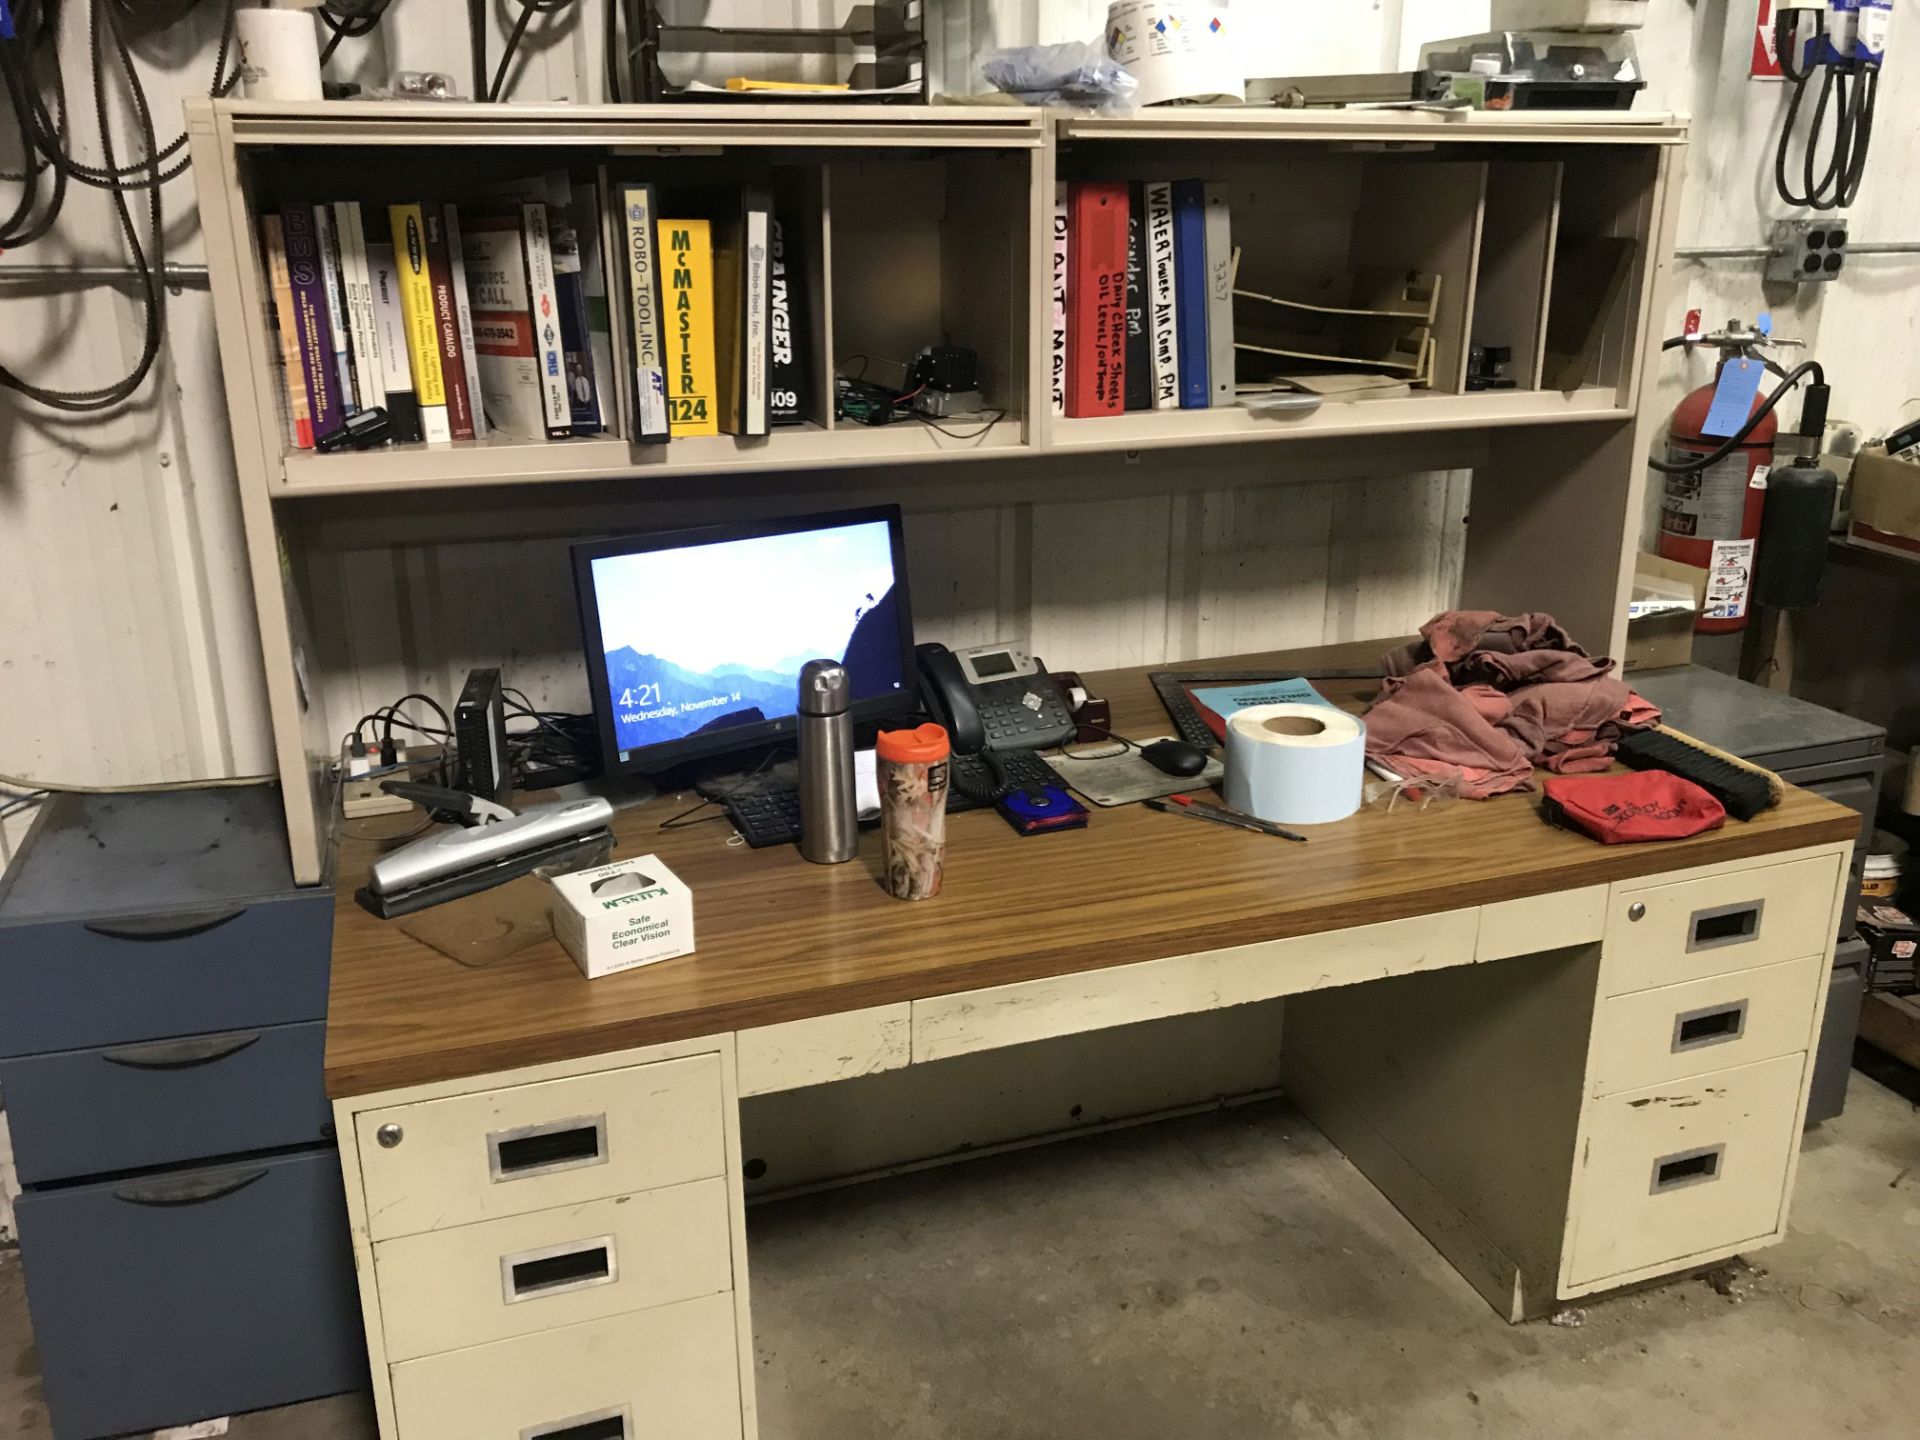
[1096, 298]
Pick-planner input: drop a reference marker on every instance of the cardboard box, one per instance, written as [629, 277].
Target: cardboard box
[620, 916]
[1667, 597]
[1886, 502]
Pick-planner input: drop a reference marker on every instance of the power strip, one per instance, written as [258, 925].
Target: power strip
[361, 795]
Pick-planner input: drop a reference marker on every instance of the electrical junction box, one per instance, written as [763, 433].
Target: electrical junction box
[1805, 251]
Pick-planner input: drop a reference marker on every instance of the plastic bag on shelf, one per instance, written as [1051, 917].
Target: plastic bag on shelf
[1075, 73]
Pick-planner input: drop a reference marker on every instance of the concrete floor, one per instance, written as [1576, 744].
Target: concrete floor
[1232, 1276]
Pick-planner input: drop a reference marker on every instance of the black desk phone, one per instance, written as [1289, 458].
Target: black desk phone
[994, 698]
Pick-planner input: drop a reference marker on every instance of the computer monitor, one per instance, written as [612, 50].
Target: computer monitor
[695, 638]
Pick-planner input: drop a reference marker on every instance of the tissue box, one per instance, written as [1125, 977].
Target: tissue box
[619, 916]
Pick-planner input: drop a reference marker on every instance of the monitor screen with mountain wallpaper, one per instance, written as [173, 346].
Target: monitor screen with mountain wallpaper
[695, 638]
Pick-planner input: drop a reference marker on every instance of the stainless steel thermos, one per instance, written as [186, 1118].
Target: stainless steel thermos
[829, 814]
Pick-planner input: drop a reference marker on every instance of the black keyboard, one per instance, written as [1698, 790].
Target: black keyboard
[770, 815]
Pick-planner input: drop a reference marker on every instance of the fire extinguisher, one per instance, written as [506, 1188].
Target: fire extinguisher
[1714, 493]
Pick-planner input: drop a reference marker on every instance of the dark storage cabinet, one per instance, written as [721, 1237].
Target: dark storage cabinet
[163, 991]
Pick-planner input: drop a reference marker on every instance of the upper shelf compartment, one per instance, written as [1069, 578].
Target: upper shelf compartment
[1401, 267]
[931, 226]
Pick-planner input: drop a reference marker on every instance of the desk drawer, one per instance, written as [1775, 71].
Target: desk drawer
[164, 1102]
[535, 1147]
[1684, 1169]
[1690, 929]
[71, 984]
[672, 1372]
[447, 1289]
[1652, 1036]
[162, 1299]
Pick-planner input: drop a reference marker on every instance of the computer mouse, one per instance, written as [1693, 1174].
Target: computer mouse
[1174, 757]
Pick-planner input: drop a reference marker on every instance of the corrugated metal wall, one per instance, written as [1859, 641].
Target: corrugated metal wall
[126, 645]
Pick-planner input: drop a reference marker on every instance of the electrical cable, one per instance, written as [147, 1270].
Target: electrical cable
[42, 126]
[1849, 94]
[349, 20]
[497, 91]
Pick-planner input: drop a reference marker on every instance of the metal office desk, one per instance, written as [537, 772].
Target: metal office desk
[1572, 1067]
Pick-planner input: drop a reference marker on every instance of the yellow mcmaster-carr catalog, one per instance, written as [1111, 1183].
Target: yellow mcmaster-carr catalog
[686, 267]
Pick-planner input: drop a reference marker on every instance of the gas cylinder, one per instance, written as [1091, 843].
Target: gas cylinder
[1711, 517]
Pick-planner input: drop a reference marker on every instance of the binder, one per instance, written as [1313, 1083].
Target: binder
[396, 373]
[1219, 229]
[1163, 296]
[1096, 298]
[1057, 345]
[273, 246]
[1139, 358]
[446, 320]
[646, 338]
[686, 265]
[1190, 269]
[742, 290]
[311, 325]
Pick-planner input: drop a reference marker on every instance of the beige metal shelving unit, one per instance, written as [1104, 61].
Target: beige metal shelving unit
[931, 224]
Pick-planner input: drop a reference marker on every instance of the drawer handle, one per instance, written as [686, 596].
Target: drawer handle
[176, 926]
[600, 1425]
[1724, 925]
[580, 1265]
[1689, 1167]
[188, 1189]
[1715, 1025]
[571, 1144]
[180, 1054]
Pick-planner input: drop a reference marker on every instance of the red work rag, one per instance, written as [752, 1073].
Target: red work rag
[1489, 697]
[1620, 809]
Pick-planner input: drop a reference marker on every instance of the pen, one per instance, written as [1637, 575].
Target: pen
[1266, 827]
[1224, 817]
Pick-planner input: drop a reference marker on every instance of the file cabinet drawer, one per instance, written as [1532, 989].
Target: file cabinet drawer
[162, 1298]
[448, 1289]
[1653, 1036]
[163, 1102]
[667, 1372]
[436, 1164]
[1667, 934]
[1677, 1170]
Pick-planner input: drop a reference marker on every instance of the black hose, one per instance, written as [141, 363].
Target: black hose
[1739, 437]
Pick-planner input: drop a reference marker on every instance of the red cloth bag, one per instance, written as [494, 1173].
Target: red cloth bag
[1622, 809]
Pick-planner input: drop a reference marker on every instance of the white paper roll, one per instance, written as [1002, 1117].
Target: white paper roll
[1295, 764]
[1177, 50]
[279, 54]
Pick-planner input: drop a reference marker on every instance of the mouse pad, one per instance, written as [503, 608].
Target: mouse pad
[1126, 779]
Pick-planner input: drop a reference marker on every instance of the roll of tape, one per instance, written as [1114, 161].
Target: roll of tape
[1295, 764]
[279, 54]
[1076, 697]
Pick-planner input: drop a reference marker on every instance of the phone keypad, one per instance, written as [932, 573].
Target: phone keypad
[1019, 715]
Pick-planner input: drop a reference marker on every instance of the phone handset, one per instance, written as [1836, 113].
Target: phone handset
[949, 698]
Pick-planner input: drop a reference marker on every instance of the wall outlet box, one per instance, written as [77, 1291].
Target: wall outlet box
[620, 916]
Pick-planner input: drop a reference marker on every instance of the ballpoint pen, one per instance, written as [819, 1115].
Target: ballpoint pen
[1180, 805]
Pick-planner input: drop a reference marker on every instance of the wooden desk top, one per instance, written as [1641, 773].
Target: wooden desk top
[781, 939]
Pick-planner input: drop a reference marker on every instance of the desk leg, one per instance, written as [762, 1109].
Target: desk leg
[1457, 1093]
[737, 1220]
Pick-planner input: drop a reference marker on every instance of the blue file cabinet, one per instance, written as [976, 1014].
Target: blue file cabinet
[162, 1016]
